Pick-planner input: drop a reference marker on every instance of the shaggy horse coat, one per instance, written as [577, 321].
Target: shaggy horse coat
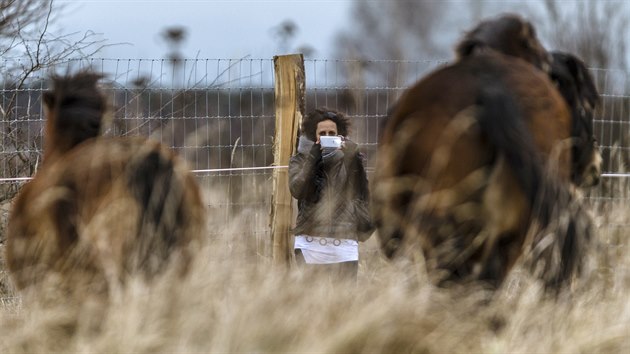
[474, 163]
[576, 86]
[100, 209]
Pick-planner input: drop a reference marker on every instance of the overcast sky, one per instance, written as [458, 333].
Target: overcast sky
[216, 28]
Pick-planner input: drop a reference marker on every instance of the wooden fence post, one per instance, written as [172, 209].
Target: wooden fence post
[289, 106]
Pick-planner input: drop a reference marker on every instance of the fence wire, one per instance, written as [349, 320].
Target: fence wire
[219, 115]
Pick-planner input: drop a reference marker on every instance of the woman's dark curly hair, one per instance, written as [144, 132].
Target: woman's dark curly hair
[309, 123]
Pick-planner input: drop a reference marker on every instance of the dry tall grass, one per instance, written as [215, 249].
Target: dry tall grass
[235, 301]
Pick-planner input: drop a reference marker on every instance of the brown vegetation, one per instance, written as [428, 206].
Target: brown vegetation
[235, 302]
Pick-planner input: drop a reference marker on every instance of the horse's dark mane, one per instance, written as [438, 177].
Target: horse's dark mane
[575, 84]
[508, 34]
[75, 111]
[484, 35]
[573, 80]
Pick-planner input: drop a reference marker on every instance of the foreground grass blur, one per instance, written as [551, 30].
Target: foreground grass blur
[236, 301]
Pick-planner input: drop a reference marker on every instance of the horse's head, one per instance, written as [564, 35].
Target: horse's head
[576, 85]
[74, 110]
[508, 34]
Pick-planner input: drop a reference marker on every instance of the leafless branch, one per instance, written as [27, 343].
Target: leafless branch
[29, 45]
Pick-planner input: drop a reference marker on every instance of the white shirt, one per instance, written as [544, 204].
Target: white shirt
[327, 250]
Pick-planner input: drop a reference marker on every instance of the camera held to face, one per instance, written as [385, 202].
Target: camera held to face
[330, 141]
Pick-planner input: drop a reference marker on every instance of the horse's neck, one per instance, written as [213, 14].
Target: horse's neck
[53, 145]
[58, 142]
[53, 149]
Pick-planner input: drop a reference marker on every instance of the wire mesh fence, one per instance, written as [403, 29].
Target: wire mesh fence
[219, 115]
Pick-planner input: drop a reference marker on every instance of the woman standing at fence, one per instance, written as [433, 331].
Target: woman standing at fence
[328, 178]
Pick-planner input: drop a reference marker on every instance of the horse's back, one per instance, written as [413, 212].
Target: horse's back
[449, 94]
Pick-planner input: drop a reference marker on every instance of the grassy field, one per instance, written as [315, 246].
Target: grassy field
[235, 301]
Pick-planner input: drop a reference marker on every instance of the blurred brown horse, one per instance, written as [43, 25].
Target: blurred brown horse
[476, 160]
[100, 209]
